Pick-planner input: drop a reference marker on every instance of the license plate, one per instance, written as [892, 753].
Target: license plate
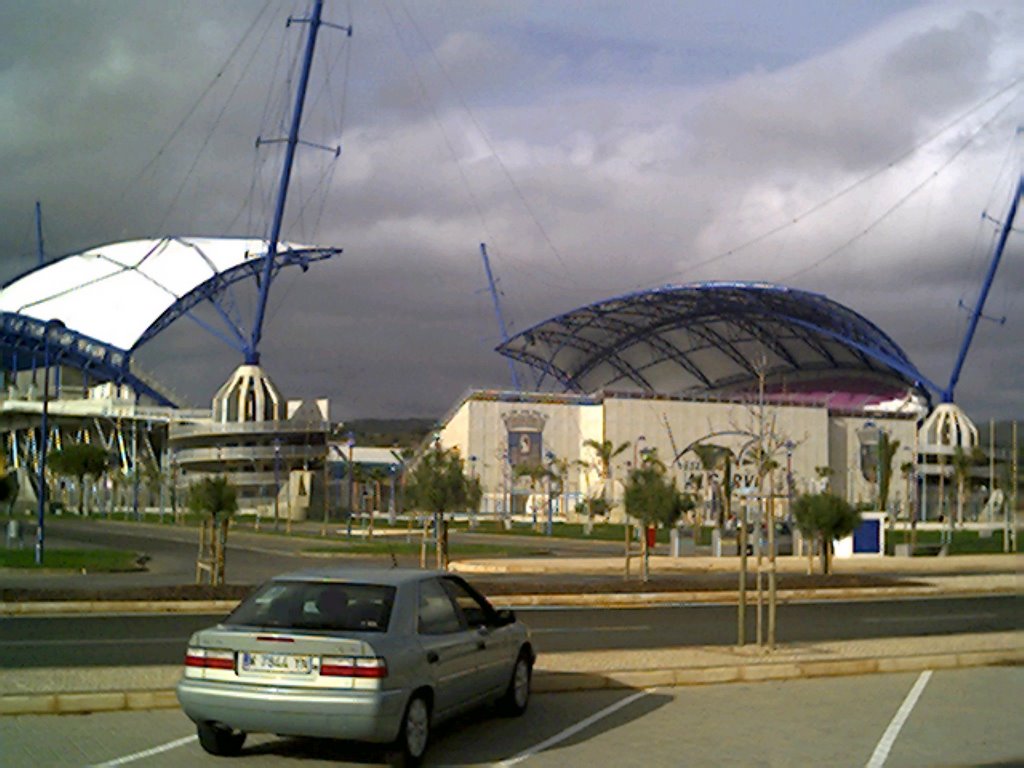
[280, 663]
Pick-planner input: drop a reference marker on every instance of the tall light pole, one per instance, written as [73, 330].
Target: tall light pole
[50, 326]
[277, 483]
[392, 509]
[472, 477]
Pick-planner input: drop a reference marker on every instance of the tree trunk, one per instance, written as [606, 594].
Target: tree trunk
[81, 496]
[826, 554]
[741, 617]
[644, 552]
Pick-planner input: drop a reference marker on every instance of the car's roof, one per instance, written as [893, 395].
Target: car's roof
[391, 577]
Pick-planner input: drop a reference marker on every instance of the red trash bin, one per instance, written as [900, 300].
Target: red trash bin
[652, 536]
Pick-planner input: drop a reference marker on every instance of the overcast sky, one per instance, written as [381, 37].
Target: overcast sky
[596, 147]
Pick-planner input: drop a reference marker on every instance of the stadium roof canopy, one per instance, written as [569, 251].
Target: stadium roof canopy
[712, 338]
[112, 299]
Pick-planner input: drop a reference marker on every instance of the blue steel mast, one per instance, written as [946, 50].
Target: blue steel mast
[947, 395]
[252, 355]
[39, 233]
[492, 286]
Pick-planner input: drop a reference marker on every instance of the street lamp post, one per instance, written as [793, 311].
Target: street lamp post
[550, 523]
[392, 511]
[40, 525]
[472, 476]
[277, 483]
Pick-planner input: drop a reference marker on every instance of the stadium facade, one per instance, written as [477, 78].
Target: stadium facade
[733, 365]
[668, 370]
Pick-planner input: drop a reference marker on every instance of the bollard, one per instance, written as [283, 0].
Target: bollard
[14, 539]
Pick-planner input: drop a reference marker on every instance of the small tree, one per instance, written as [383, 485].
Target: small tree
[438, 484]
[827, 517]
[216, 497]
[886, 451]
[79, 460]
[652, 498]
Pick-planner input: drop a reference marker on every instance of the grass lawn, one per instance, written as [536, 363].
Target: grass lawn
[602, 531]
[96, 560]
[964, 542]
[385, 546]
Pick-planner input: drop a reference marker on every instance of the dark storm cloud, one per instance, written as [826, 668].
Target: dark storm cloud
[596, 149]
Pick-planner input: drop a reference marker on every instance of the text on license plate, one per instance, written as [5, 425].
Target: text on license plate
[277, 662]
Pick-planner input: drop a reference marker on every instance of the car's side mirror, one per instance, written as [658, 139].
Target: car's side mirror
[504, 617]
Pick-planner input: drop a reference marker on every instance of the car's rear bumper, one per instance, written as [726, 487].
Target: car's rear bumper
[359, 715]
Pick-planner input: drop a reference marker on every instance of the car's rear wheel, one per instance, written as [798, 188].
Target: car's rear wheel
[517, 695]
[414, 735]
[218, 740]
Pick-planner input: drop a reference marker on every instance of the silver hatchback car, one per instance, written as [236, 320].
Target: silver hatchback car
[368, 655]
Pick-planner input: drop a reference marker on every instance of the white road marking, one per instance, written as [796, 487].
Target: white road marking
[572, 730]
[881, 752]
[948, 617]
[147, 752]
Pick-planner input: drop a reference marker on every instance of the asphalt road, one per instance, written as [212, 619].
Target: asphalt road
[251, 558]
[122, 640]
[959, 717]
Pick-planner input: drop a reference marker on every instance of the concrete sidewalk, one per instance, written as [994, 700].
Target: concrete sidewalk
[662, 564]
[78, 690]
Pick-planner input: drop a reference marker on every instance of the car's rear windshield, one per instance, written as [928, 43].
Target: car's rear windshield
[309, 605]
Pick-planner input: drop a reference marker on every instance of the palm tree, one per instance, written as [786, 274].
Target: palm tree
[216, 497]
[376, 475]
[536, 473]
[962, 464]
[942, 484]
[712, 458]
[604, 452]
[886, 451]
[80, 460]
[824, 474]
[907, 470]
[559, 469]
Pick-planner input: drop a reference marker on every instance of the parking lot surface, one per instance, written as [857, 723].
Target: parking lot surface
[945, 718]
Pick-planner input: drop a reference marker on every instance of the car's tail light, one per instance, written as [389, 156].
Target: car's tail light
[353, 666]
[208, 658]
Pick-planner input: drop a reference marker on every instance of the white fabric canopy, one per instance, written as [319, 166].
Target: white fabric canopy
[113, 293]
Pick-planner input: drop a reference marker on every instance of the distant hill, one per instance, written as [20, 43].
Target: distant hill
[402, 433]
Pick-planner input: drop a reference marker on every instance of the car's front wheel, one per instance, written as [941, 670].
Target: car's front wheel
[218, 740]
[517, 695]
[415, 733]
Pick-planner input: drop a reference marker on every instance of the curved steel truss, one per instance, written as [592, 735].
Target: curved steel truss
[712, 337]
